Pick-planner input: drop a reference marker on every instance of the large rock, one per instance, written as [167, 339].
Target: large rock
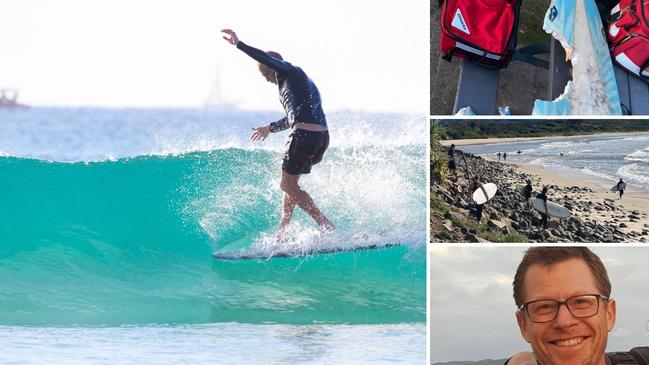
[496, 224]
[475, 239]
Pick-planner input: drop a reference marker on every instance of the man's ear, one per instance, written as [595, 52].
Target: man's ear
[522, 325]
[611, 309]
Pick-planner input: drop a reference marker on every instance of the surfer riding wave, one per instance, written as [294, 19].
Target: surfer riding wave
[309, 139]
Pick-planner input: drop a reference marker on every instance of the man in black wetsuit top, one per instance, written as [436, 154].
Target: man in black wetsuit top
[621, 185]
[451, 159]
[309, 138]
[544, 217]
[527, 192]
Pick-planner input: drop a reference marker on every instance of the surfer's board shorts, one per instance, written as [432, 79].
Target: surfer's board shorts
[303, 150]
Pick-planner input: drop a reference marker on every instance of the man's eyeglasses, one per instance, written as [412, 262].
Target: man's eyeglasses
[546, 310]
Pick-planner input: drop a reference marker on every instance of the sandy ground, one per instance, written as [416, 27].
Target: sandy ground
[466, 142]
[632, 200]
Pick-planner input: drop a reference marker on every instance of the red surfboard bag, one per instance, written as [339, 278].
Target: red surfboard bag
[628, 36]
[483, 31]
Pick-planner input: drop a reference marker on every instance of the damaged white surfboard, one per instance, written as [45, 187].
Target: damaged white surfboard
[576, 24]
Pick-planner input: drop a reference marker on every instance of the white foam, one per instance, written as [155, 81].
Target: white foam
[635, 173]
[641, 155]
[601, 175]
[310, 241]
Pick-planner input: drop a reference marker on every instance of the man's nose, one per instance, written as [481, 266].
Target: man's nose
[564, 317]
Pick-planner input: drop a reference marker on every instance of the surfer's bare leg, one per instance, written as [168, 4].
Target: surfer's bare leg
[289, 185]
[287, 212]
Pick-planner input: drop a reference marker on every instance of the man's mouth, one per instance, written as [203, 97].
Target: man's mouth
[568, 342]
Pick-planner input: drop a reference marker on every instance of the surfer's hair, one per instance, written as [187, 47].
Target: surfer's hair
[548, 256]
[274, 54]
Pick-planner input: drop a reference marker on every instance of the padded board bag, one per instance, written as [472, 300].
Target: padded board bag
[482, 31]
[628, 36]
[636, 356]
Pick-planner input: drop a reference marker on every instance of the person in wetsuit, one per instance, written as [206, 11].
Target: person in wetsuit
[451, 159]
[544, 217]
[527, 192]
[479, 207]
[620, 188]
[309, 137]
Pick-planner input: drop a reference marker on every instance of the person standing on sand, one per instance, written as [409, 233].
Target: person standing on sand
[544, 217]
[505, 156]
[309, 138]
[498, 154]
[621, 185]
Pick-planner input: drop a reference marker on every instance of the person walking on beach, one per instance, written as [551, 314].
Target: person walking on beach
[544, 217]
[621, 185]
[498, 154]
[475, 186]
[505, 156]
[309, 137]
[451, 160]
[527, 193]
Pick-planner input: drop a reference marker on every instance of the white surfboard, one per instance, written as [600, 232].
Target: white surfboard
[577, 25]
[554, 209]
[253, 255]
[254, 248]
[617, 187]
[479, 195]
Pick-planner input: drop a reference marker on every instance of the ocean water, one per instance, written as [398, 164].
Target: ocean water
[109, 218]
[602, 160]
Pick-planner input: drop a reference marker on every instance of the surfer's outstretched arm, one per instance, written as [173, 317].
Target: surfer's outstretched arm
[276, 64]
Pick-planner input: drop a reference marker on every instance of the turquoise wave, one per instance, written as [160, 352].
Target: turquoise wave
[130, 241]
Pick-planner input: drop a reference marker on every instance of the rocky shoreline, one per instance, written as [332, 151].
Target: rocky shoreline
[508, 217]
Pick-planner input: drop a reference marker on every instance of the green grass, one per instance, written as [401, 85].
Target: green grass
[530, 28]
[439, 205]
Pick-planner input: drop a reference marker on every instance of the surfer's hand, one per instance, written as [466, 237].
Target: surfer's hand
[260, 133]
[232, 39]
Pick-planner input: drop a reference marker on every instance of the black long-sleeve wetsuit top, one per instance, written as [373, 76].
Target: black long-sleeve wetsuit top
[297, 92]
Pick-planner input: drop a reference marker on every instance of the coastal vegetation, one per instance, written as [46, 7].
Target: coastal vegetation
[438, 158]
[471, 129]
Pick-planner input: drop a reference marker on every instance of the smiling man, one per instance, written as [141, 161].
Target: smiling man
[564, 307]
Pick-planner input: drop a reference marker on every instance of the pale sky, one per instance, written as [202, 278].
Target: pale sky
[472, 311]
[365, 55]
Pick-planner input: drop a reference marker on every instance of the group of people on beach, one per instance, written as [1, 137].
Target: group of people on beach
[527, 191]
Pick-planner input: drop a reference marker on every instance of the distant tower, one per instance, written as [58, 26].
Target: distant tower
[215, 99]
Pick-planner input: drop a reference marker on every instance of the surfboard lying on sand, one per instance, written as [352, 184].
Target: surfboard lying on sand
[554, 209]
[247, 249]
[479, 195]
[577, 25]
[617, 187]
